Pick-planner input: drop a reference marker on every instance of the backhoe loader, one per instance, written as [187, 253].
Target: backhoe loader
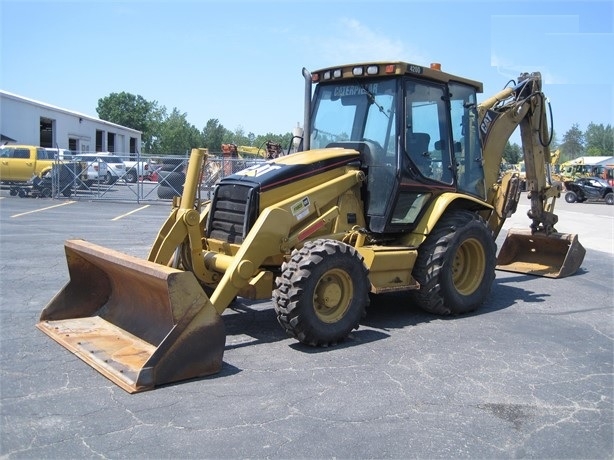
[396, 189]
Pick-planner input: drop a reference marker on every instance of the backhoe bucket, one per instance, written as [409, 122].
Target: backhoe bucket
[138, 323]
[554, 256]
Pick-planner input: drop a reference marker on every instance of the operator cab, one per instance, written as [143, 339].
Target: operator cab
[416, 130]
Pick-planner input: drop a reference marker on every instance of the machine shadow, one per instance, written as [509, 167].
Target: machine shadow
[385, 313]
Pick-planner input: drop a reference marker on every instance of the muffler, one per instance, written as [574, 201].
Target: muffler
[139, 323]
[556, 255]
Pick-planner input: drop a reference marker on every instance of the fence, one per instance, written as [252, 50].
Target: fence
[135, 178]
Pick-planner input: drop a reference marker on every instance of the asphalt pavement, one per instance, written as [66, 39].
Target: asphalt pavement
[529, 375]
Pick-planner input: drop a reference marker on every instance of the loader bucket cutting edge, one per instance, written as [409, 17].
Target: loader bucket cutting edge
[138, 323]
[553, 256]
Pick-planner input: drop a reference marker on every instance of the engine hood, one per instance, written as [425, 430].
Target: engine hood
[282, 170]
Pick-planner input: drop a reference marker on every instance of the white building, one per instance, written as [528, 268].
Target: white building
[592, 161]
[29, 122]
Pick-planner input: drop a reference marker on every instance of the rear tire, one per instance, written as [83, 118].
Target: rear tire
[322, 292]
[110, 179]
[131, 177]
[455, 265]
[571, 197]
[609, 198]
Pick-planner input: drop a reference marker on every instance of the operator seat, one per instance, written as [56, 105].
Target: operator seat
[417, 145]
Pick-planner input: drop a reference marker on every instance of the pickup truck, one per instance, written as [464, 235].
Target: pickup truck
[19, 163]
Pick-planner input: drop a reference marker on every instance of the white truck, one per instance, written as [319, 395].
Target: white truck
[137, 169]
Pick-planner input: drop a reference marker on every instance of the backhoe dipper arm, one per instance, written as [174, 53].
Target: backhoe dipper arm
[499, 116]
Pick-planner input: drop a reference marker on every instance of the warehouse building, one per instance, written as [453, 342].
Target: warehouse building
[30, 122]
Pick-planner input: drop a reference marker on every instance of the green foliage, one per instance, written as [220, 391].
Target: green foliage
[512, 153]
[133, 112]
[599, 140]
[213, 135]
[573, 144]
[125, 109]
[177, 136]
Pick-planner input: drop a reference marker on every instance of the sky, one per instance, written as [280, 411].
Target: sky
[241, 61]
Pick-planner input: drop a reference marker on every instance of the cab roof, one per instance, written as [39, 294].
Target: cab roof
[373, 69]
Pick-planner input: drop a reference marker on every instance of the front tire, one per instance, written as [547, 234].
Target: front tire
[571, 197]
[322, 292]
[609, 198]
[455, 265]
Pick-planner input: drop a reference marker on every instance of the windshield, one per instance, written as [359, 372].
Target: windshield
[355, 112]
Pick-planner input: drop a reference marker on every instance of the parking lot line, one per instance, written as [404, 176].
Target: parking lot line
[131, 212]
[43, 209]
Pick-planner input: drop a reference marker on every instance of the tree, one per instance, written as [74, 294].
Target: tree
[512, 153]
[213, 135]
[131, 111]
[237, 137]
[176, 135]
[573, 144]
[599, 140]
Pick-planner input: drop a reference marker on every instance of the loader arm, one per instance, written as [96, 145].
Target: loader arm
[275, 232]
[184, 219]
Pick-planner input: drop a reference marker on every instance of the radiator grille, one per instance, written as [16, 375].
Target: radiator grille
[233, 211]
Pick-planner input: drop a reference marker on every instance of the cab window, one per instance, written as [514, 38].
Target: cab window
[426, 136]
[20, 153]
[466, 140]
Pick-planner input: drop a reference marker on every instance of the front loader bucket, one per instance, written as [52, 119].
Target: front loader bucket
[138, 323]
[554, 256]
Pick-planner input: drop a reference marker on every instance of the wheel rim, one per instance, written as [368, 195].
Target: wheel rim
[332, 296]
[468, 266]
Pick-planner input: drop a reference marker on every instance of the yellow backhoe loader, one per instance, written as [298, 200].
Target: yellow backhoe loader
[396, 188]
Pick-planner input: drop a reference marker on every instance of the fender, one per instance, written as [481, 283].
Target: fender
[437, 208]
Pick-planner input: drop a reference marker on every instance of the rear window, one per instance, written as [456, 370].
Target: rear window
[44, 154]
